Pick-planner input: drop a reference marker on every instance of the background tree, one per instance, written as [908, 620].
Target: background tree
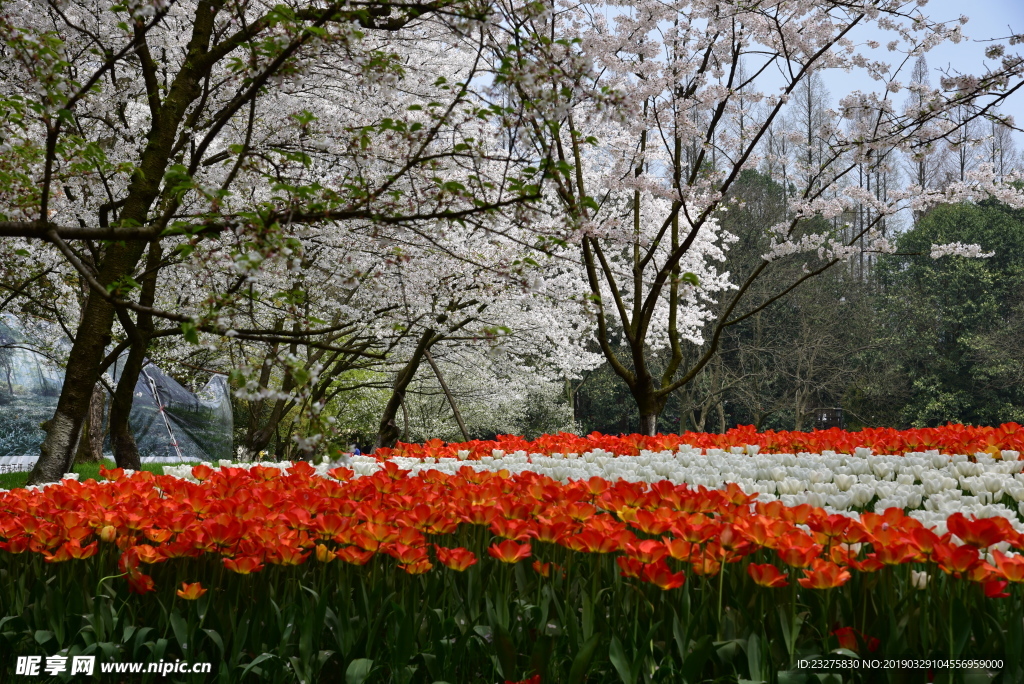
[642, 192]
[188, 123]
[945, 321]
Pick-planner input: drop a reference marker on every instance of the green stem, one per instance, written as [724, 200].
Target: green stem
[721, 582]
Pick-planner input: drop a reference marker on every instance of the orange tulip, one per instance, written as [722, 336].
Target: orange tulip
[139, 583]
[1010, 567]
[895, 554]
[590, 541]
[797, 550]
[981, 533]
[201, 472]
[244, 565]
[767, 575]
[324, 554]
[354, 555]
[457, 559]
[190, 592]
[954, 560]
[509, 552]
[551, 533]
[287, 555]
[629, 567]
[647, 551]
[418, 567]
[851, 639]
[824, 575]
[659, 575]
[148, 554]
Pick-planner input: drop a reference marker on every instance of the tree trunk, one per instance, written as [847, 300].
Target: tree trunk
[405, 422]
[57, 452]
[447, 393]
[126, 451]
[90, 449]
[120, 259]
[650, 405]
[388, 432]
[649, 424]
[96, 421]
[798, 411]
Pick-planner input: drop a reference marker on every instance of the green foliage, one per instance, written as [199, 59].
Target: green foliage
[375, 624]
[948, 323]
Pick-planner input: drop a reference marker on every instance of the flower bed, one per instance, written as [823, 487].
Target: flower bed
[480, 573]
[929, 486]
[950, 439]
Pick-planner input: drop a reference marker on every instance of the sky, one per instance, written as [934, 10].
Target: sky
[988, 19]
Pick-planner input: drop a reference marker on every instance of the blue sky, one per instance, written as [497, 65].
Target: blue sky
[988, 19]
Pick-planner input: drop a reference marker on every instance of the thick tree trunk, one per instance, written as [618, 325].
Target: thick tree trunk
[83, 369]
[650, 405]
[649, 424]
[388, 431]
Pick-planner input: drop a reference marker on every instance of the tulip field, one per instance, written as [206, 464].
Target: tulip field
[681, 558]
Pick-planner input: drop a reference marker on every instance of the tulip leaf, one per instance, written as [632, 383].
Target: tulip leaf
[729, 650]
[358, 670]
[754, 657]
[180, 630]
[588, 616]
[792, 677]
[581, 663]
[262, 657]
[506, 650]
[618, 657]
[541, 655]
[215, 638]
[694, 663]
[961, 628]
[790, 631]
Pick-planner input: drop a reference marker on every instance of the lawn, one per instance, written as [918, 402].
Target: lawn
[85, 471]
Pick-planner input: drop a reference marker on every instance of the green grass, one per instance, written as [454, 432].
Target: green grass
[84, 470]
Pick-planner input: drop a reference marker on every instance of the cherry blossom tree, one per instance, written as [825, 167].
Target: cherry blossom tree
[224, 133]
[642, 185]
